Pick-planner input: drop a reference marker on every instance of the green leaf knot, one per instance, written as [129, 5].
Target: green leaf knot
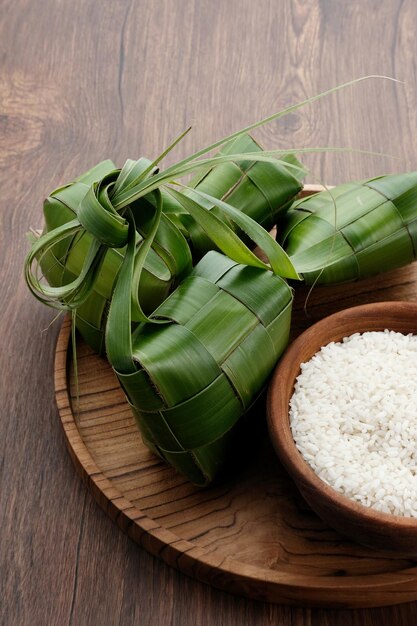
[98, 216]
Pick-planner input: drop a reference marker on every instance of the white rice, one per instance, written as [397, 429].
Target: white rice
[353, 417]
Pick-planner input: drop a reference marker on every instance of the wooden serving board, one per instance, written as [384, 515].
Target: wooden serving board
[251, 533]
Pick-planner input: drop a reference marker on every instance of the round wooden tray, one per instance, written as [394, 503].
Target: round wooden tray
[250, 534]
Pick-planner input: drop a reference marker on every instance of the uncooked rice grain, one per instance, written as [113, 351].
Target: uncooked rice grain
[353, 417]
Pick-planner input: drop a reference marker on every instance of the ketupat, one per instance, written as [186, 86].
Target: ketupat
[354, 230]
[261, 190]
[190, 381]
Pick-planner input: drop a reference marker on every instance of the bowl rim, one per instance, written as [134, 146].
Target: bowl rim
[278, 418]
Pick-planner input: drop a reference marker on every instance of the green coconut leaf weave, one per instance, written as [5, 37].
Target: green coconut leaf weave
[354, 231]
[196, 375]
[259, 189]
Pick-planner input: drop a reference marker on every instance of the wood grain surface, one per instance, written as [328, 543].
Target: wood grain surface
[85, 80]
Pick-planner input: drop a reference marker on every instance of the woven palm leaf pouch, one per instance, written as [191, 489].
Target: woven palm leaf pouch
[354, 231]
[203, 360]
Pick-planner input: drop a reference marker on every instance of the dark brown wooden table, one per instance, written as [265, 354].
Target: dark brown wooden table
[82, 81]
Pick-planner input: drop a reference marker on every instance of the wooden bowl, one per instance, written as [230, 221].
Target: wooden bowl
[372, 528]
